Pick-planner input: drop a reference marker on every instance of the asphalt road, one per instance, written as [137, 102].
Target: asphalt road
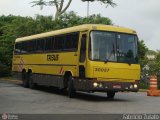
[16, 99]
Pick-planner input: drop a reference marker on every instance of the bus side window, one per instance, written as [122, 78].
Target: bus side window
[52, 43]
[40, 45]
[34, 45]
[17, 48]
[56, 45]
[75, 38]
[48, 44]
[59, 43]
[71, 42]
[24, 47]
[68, 42]
[30, 47]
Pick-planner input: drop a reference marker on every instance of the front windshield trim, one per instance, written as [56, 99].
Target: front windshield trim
[116, 33]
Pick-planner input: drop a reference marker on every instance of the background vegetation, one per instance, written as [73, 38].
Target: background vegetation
[61, 7]
[12, 27]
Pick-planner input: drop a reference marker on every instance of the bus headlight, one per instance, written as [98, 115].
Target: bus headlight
[135, 86]
[95, 84]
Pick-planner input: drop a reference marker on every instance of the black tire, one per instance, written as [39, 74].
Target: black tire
[71, 90]
[32, 85]
[25, 82]
[110, 95]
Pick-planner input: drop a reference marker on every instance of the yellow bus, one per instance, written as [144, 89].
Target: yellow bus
[89, 58]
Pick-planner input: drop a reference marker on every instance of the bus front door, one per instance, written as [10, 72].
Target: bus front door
[82, 57]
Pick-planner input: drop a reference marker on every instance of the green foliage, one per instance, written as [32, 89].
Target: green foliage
[107, 2]
[12, 27]
[96, 19]
[71, 19]
[155, 65]
[151, 52]
[59, 4]
[60, 8]
[142, 50]
[143, 85]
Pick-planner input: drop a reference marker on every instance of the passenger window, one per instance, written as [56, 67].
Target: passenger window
[30, 46]
[75, 41]
[59, 43]
[18, 48]
[40, 45]
[24, 47]
[71, 42]
[68, 42]
[49, 44]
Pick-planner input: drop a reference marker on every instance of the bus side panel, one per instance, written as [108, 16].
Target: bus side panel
[47, 69]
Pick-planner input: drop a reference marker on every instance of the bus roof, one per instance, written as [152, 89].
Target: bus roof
[83, 27]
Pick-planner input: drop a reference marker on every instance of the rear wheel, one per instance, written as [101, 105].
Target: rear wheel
[25, 82]
[110, 94]
[71, 90]
[32, 85]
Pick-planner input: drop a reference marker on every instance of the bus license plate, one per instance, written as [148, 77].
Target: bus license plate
[117, 86]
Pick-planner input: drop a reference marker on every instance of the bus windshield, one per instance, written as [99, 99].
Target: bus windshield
[114, 47]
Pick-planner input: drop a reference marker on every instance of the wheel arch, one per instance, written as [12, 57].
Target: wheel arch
[68, 73]
[65, 80]
[23, 70]
[29, 71]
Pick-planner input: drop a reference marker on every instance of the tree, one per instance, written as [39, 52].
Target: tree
[151, 52]
[143, 60]
[97, 19]
[13, 27]
[71, 19]
[154, 66]
[142, 50]
[107, 2]
[59, 4]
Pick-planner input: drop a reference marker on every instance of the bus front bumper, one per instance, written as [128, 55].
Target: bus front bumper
[104, 86]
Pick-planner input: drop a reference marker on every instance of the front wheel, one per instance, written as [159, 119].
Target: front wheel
[25, 82]
[71, 90]
[111, 94]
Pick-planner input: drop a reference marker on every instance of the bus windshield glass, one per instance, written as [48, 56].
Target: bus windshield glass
[113, 47]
